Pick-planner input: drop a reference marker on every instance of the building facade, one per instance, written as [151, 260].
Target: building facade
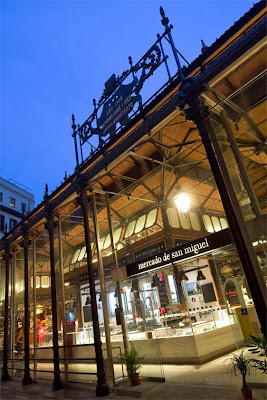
[15, 202]
[159, 237]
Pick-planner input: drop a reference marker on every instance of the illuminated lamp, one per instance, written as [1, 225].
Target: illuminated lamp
[182, 202]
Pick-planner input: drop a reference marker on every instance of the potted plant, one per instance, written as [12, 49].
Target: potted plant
[258, 346]
[132, 361]
[242, 364]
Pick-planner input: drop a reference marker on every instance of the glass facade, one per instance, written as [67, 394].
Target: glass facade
[128, 215]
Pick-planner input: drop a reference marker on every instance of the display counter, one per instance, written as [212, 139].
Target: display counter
[195, 337]
[195, 348]
[189, 349]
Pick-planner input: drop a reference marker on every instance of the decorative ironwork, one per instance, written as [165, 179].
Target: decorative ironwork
[117, 104]
[155, 58]
[111, 85]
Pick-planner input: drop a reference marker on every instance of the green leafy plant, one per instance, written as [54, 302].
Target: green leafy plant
[258, 346]
[132, 360]
[240, 364]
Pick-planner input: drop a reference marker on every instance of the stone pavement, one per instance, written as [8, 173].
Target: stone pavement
[209, 381]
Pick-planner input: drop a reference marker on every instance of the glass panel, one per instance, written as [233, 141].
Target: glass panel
[117, 235]
[185, 221]
[75, 257]
[173, 218]
[236, 294]
[216, 224]
[207, 223]
[174, 294]
[82, 253]
[19, 312]
[224, 223]
[141, 317]
[130, 229]
[194, 219]
[140, 224]
[75, 316]
[44, 328]
[151, 218]
[107, 242]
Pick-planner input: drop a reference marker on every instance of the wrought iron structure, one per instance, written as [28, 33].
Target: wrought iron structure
[121, 100]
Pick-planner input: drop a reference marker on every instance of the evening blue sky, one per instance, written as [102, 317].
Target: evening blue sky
[56, 57]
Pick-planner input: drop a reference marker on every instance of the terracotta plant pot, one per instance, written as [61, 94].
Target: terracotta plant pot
[246, 391]
[135, 379]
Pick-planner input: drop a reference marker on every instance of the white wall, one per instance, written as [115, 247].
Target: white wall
[20, 195]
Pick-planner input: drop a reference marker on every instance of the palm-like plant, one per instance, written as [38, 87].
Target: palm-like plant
[259, 346]
[242, 364]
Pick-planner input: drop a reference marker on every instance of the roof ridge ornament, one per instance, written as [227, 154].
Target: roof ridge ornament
[204, 47]
[165, 22]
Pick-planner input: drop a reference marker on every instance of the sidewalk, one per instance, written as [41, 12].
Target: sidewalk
[208, 381]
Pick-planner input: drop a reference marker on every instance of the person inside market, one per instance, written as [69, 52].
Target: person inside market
[19, 342]
[40, 332]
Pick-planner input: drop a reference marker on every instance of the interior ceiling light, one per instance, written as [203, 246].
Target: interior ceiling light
[182, 202]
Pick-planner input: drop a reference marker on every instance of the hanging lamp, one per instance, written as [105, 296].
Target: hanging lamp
[183, 276]
[200, 276]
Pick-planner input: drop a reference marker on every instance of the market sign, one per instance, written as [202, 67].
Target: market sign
[121, 100]
[117, 108]
[180, 253]
[149, 251]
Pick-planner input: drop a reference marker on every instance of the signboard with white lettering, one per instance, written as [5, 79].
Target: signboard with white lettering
[149, 251]
[180, 253]
[117, 109]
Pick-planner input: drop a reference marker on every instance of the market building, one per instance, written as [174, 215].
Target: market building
[159, 237]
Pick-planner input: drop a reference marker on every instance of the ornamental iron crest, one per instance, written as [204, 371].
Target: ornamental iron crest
[121, 100]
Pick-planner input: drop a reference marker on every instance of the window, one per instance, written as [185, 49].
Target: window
[12, 202]
[2, 223]
[112, 303]
[12, 223]
[127, 300]
[129, 229]
[23, 208]
[1, 197]
[173, 290]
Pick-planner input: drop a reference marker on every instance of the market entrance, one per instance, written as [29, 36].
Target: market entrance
[199, 319]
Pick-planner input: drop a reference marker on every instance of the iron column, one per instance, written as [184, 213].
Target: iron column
[102, 388]
[118, 285]
[27, 380]
[50, 226]
[5, 374]
[103, 289]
